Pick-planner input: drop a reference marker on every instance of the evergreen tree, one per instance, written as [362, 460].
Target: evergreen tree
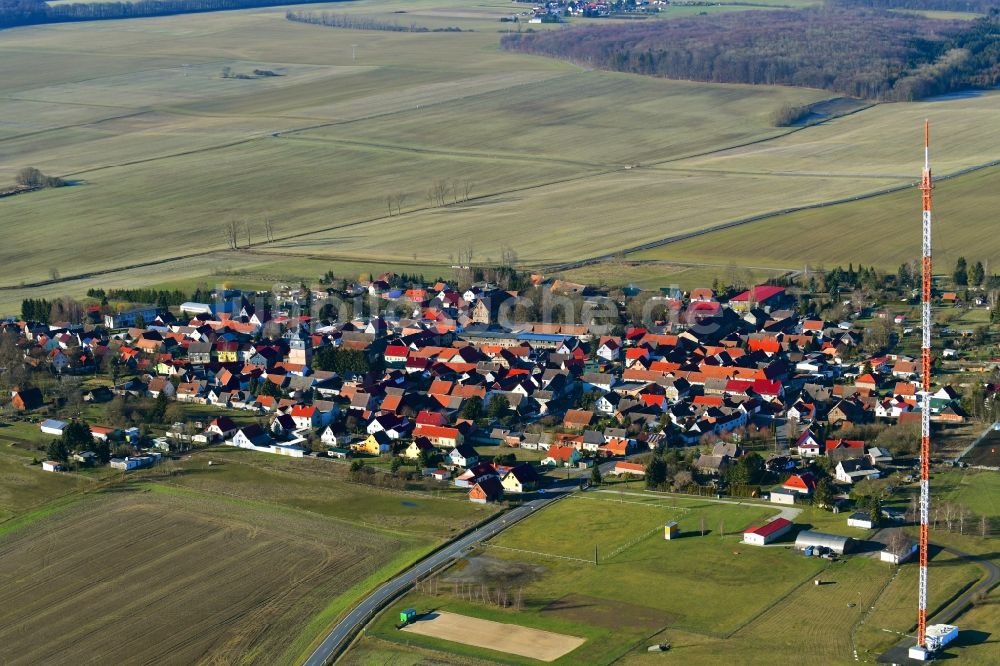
[978, 274]
[656, 472]
[472, 409]
[57, 451]
[595, 474]
[823, 497]
[961, 274]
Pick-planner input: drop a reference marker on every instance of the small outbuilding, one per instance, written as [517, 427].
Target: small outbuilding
[52, 427]
[671, 530]
[860, 519]
[52, 466]
[765, 534]
[783, 497]
[823, 541]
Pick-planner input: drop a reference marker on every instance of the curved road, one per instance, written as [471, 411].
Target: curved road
[361, 614]
[898, 654]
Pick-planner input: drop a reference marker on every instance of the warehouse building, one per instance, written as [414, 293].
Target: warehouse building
[822, 541]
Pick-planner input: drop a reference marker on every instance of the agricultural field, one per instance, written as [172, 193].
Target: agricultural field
[320, 487]
[137, 575]
[160, 146]
[833, 235]
[319, 540]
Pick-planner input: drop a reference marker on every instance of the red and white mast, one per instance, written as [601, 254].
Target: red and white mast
[926, 184]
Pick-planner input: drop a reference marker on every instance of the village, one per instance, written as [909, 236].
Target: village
[713, 379]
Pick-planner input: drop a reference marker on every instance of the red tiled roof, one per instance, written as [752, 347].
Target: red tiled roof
[760, 293]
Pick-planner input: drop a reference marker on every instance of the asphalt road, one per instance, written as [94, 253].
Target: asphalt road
[361, 614]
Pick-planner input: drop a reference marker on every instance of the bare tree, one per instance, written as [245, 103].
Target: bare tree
[400, 198]
[898, 542]
[268, 228]
[231, 230]
[508, 256]
[984, 526]
[438, 193]
[246, 225]
[388, 203]
[467, 188]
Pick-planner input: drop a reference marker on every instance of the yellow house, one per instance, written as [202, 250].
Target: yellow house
[228, 352]
[376, 444]
[520, 479]
[412, 452]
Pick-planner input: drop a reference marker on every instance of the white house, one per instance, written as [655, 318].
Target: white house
[609, 350]
[463, 455]
[52, 466]
[852, 471]
[807, 446]
[900, 556]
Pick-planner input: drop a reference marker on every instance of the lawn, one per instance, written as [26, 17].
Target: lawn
[24, 486]
[133, 576]
[709, 585]
[895, 608]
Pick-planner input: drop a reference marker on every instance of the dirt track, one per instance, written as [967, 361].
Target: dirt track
[510, 638]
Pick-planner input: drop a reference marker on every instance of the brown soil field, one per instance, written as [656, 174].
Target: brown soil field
[607, 613]
[509, 638]
[142, 577]
[987, 453]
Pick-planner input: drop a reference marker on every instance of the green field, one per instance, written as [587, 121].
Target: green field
[709, 585]
[882, 231]
[163, 150]
[713, 599]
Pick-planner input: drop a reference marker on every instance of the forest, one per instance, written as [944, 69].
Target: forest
[32, 12]
[867, 54]
[973, 6]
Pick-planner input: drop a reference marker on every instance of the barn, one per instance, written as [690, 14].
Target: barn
[765, 534]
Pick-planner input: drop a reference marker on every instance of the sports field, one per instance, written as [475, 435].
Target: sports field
[540, 645]
[712, 599]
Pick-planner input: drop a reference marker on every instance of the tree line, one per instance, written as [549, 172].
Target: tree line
[862, 53]
[15, 13]
[161, 297]
[354, 22]
[973, 6]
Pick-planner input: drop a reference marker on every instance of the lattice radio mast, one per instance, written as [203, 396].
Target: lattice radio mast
[926, 185]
